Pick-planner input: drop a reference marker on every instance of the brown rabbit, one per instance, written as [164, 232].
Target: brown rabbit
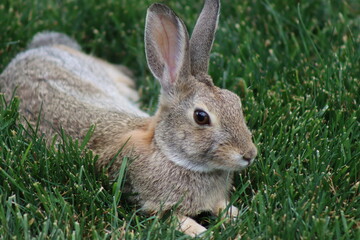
[185, 154]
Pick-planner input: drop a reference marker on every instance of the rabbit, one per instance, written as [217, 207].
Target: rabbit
[185, 155]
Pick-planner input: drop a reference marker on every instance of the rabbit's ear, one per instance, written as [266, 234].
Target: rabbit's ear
[203, 36]
[166, 46]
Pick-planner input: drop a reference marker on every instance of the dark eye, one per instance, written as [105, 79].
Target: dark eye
[201, 117]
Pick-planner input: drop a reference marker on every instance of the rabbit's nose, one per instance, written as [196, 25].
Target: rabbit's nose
[250, 154]
[247, 158]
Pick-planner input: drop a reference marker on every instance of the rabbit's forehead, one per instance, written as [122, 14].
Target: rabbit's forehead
[231, 110]
[219, 101]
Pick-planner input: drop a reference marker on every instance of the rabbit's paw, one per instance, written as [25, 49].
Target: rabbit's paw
[190, 227]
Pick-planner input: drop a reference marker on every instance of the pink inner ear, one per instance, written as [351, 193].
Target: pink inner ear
[167, 39]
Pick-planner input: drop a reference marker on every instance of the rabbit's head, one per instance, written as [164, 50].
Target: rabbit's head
[199, 126]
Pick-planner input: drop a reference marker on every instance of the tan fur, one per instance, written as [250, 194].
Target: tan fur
[138, 140]
[174, 160]
[124, 83]
[113, 70]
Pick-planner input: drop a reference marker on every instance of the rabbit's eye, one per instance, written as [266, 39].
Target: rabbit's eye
[201, 117]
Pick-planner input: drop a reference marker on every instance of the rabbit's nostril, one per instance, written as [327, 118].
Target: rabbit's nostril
[250, 154]
[247, 158]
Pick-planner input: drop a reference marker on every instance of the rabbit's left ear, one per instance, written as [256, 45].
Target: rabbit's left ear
[166, 46]
[203, 36]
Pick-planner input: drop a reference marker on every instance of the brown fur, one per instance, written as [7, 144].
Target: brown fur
[119, 77]
[175, 161]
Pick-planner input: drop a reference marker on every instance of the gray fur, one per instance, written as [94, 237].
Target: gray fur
[48, 38]
[175, 160]
[203, 36]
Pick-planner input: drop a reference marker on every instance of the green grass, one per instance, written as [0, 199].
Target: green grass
[297, 69]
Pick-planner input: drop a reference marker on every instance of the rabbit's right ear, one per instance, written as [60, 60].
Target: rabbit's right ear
[166, 46]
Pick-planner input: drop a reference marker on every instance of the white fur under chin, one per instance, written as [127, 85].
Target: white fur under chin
[186, 163]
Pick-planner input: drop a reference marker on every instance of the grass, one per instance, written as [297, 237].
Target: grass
[296, 67]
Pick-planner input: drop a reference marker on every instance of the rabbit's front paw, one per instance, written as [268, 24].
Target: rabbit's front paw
[231, 213]
[190, 227]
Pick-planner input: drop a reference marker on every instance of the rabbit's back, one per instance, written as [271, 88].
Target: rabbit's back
[68, 88]
[70, 72]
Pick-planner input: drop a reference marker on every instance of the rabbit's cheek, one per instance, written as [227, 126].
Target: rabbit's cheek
[182, 135]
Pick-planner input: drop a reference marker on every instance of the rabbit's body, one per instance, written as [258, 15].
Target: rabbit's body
[182, 156]
[74, 74]
[73, 90]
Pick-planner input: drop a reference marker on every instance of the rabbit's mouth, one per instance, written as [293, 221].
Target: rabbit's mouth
[231, 162]
[242, 161]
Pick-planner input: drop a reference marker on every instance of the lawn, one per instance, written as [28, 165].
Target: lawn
[296, 66]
